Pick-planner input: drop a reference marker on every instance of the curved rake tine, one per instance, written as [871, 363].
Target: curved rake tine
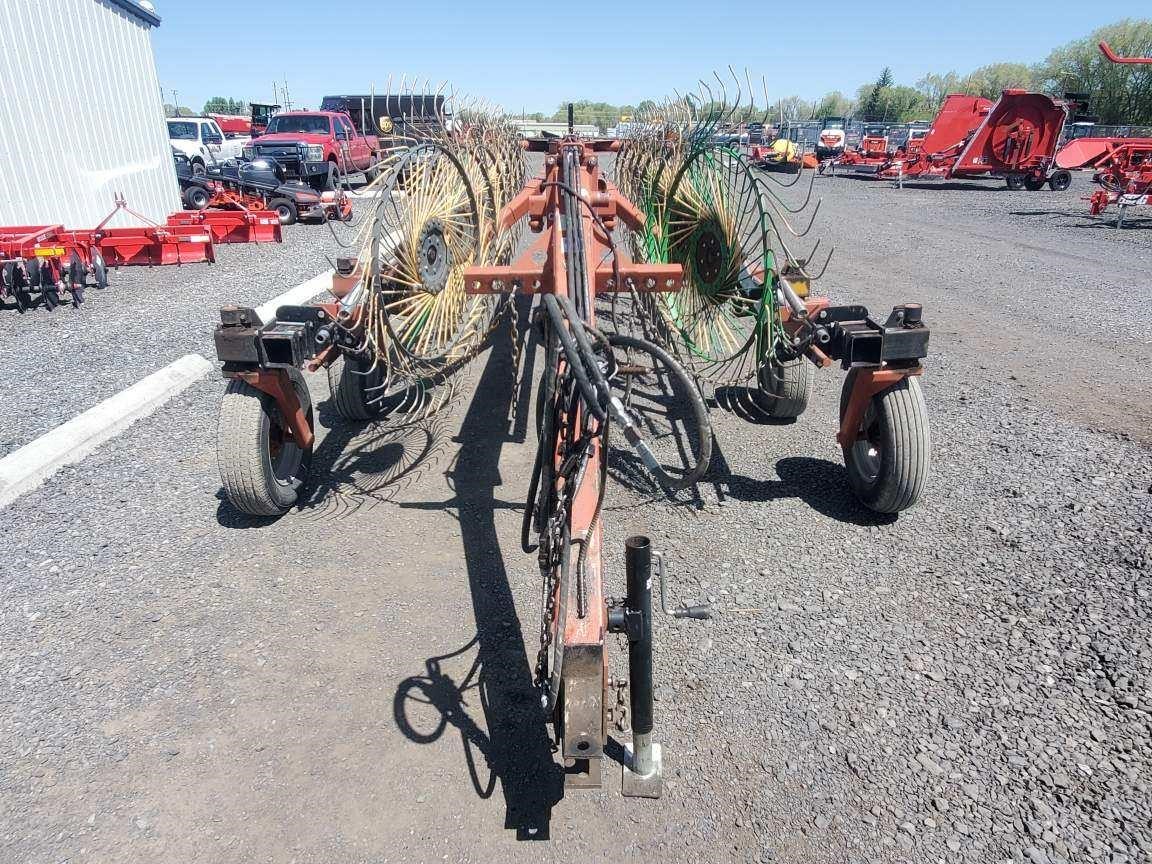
[823, 269]
[812, 254]
[807, 197]
[790, 183]
[771, 201]
[739, 94]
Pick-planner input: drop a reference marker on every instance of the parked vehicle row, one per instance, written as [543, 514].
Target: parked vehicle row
[203, 141]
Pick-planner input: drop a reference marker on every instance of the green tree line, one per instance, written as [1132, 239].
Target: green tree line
[227, 105]
[1117, 93]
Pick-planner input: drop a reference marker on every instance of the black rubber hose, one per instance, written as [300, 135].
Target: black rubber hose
[691, 391]
[575, 360]
[545, 439]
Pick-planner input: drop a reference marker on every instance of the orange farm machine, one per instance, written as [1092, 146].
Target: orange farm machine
[675, 271]
[873, 154]
[1013, 138]
[1122, 167]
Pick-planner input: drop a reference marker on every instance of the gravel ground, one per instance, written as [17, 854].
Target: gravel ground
[145, 319]
[971, 682]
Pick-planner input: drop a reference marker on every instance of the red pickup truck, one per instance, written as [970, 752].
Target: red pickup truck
[317, 147]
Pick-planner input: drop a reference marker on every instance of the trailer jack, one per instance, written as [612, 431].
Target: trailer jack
[643, 768]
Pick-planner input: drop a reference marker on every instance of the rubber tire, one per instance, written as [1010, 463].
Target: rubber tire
[198, 168]
[1034, 184]
[333, 183]
[905, 460]
[1060, 181]
[372, 171]
[348, 389]
[290, 214]
[784, 395]
[196, 198]
[1015, 182]
[242, 455]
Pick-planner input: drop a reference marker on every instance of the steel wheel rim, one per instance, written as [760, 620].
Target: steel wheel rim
[284, 453]
[867, 450]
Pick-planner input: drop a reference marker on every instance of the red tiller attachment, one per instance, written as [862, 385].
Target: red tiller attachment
[232, 226]
[149, 243]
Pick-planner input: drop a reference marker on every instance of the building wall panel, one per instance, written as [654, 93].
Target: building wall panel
[81, 116]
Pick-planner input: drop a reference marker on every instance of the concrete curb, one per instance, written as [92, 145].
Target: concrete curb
[28, 467]
[297, 296]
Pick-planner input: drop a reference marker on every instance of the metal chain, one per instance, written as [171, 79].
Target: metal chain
[517, 349]
[549, 558]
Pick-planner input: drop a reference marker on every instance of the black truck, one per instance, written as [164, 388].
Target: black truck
[397, 120]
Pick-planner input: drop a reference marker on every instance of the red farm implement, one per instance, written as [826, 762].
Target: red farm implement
[147, 243]
[872, 155]
[971, 137]
[45, 260]
[233, 217]
[1122, 166]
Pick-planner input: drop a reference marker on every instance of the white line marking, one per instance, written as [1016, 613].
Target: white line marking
[28, 467]
[25, 469]
[297, 296]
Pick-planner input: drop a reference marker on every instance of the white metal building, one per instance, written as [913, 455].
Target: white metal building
[81, 117]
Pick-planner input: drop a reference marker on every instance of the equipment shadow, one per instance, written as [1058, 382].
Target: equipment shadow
[516, 747]
[357, 464]
[819, 483]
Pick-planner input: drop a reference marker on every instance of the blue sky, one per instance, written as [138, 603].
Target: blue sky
[525, 55]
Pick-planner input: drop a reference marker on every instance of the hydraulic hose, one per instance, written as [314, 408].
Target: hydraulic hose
[615, 407]
[575, 359]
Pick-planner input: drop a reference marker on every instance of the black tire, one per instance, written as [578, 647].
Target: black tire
[888, 466]
[1015, 182]
[784, 388]
[333, 182]
[286, 210]
[196, 198]
[257, 480]
[356, 395]
[1060, 181]
[372, 171]
[198, 168]
[1033, 183]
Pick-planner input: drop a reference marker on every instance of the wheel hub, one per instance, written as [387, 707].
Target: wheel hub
[435, 259]
[708, 255]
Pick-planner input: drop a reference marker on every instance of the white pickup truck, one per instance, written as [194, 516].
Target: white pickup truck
[202, 141]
